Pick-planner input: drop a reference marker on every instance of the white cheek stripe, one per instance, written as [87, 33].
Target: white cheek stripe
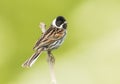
[53, 23]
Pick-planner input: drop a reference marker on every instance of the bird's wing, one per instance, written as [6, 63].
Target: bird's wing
[50, 36]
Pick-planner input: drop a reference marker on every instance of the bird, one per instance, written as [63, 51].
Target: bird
[51, 39]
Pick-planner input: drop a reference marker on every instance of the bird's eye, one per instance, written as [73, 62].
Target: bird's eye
[58, 23]
[64, 26]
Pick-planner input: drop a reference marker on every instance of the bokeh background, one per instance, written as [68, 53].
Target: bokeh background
[89, 55]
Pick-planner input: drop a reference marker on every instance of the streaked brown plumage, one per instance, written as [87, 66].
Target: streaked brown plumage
[51, 39]
[51, 35]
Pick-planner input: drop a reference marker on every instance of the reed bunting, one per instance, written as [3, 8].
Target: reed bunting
[50, 40]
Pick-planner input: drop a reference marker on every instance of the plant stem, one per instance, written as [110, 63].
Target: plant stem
[51, 62]
[51, 59]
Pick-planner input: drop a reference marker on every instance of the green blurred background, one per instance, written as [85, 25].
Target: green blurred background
[89, 55]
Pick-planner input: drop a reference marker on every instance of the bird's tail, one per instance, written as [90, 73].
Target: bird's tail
[29, 62]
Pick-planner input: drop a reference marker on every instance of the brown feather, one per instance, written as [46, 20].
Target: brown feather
[50, 36]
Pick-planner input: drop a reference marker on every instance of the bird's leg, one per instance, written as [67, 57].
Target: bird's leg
[51, 58]
[51, 61]
[42, 27]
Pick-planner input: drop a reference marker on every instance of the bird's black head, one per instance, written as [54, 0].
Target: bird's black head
[60, 22]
